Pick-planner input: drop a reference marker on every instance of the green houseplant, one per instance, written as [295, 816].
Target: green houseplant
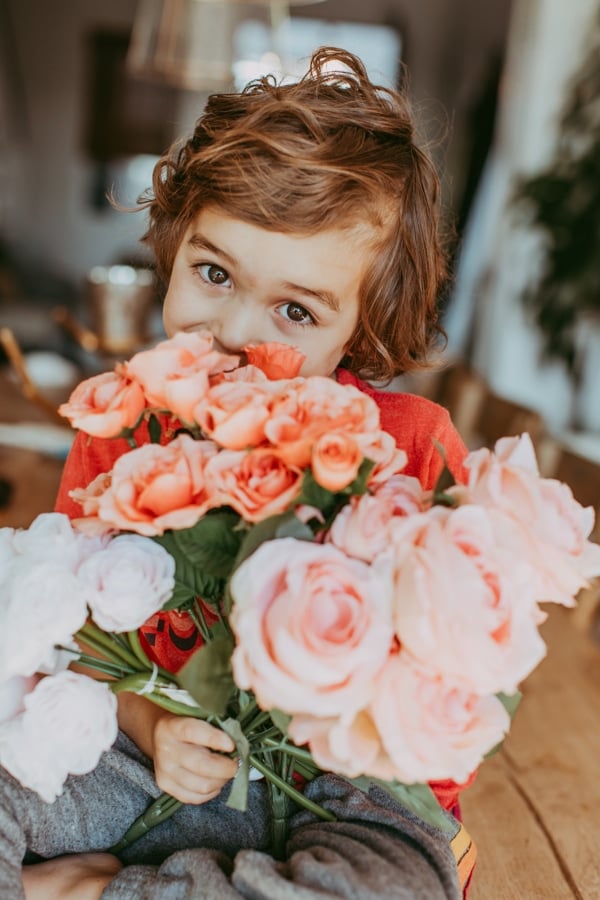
[562, 202]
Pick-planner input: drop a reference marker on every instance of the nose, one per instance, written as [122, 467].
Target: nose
[235, 327]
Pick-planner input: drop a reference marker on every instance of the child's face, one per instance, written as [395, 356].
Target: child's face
[248, 285]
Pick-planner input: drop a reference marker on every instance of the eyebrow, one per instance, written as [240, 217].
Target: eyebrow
[327, 298]
[200, 243]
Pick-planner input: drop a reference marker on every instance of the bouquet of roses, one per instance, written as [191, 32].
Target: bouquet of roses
[352, 621]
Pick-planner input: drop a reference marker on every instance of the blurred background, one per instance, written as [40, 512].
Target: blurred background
[506, 91]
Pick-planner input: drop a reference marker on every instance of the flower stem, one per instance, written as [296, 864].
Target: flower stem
[158, 811]
[101, 641]
[290, 749]
[115, 670]
[291, 792]
[197, 617]
[134, 643]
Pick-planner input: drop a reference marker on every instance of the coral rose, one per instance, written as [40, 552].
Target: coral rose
[313, 627]
[105, 404]
[336, 459]
[256, 484]
[315, 406]
[429, 729]
[233, 413]
[465, 604]
[175, 373]
[154, 487]
[380, 447]
[275, 360]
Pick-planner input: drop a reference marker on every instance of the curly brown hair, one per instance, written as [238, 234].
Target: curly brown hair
[331, 151]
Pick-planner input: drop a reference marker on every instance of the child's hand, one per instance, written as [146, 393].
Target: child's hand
[188, 760]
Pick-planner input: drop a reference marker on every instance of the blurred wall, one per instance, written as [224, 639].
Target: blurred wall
[486, 320]
[47, 180]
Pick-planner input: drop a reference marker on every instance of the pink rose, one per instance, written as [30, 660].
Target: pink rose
[360, 528]
[432, 730]
[256, 484]
[175, 373]
[506, 478]
[68, 722]
[465, 605]
[154, 488]
[336, 459]
[313, 406]
[312, 627]
[127, 582]
[105, 404]
[233, 413]
[555, 527]
[405, 494]
[350, 746]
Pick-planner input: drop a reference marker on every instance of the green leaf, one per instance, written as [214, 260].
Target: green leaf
[328, 502]
[510, 702]
[418, 798]
[313, 494]
[359, 485]
[191, 581]
[285, 524]
[445, 480]
[238, 795]
[154, 429]
[280, 720]
[212, 543]
[208, 675]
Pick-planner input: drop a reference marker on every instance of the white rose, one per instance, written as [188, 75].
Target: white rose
[7, 550]
[42, 605]
[12, 695]
[127, 582]
[51, 537]
[69, 721]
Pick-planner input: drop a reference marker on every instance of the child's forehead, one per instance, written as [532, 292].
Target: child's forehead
[363, 228]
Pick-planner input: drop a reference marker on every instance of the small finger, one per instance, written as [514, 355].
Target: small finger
[195, 731]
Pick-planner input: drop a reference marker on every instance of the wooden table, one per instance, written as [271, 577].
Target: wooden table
[33, 476]
[534, 809]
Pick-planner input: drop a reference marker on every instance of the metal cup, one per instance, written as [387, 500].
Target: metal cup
[120, 302]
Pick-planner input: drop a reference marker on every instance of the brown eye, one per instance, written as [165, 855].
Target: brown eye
[297, 313]
[216, 275]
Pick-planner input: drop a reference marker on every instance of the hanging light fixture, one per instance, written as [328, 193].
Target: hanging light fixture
[192, 43]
